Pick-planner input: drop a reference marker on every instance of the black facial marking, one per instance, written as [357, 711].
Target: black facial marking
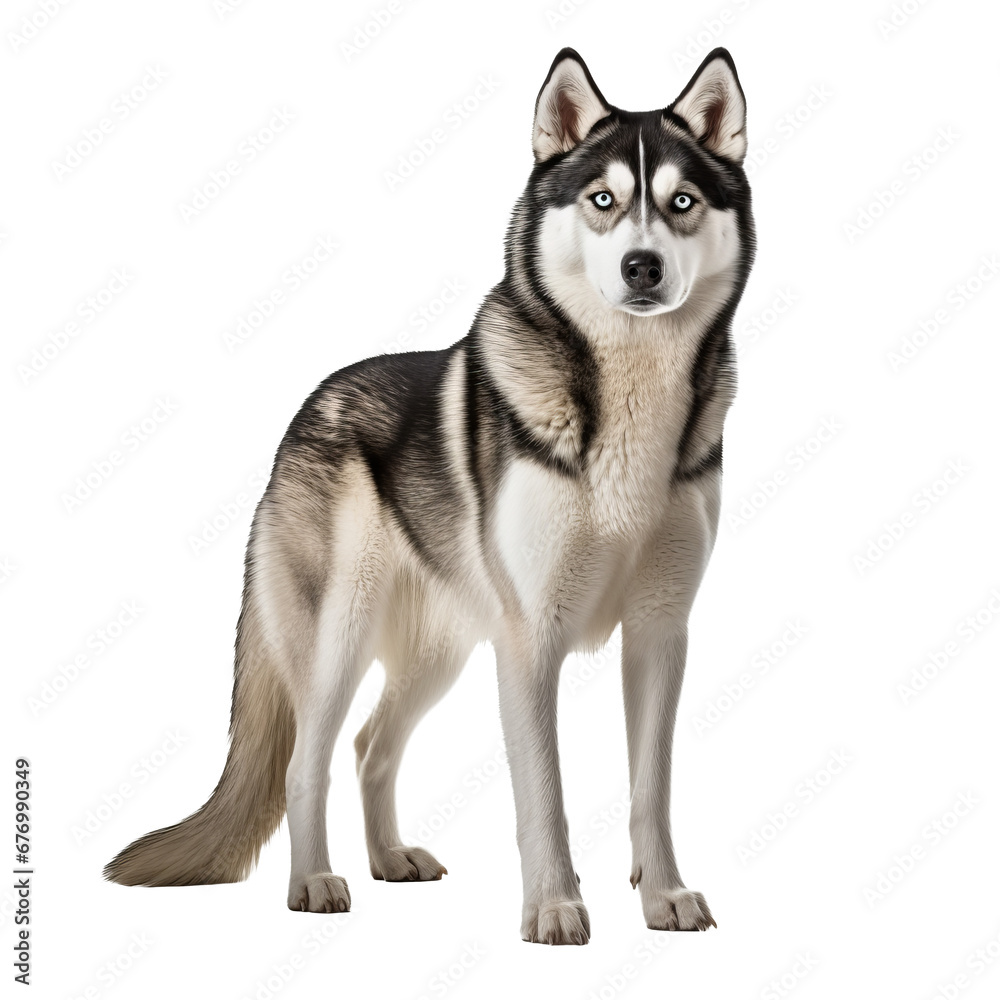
[559, 181]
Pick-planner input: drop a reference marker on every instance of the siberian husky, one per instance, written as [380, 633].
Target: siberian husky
[551, 475]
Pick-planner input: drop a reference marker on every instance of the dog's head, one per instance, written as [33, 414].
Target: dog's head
[637, 211]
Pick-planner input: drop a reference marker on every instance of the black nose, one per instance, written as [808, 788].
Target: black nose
[642, 269]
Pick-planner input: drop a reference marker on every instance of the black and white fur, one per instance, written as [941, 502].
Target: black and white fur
[553, 474]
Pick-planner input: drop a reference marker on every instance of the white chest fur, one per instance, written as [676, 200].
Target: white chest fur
[643, 403]
[569, 541]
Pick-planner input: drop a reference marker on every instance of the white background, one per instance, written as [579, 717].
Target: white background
[802, 908]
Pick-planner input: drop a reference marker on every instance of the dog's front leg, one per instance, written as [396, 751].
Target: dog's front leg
[653, 655]
[553, 911]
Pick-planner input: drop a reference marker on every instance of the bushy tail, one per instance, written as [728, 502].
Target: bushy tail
[222, 840]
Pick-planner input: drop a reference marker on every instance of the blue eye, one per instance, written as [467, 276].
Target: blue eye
[682, 202]
[602, 199]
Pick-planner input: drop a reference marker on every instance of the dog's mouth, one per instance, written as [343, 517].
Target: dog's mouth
[641, 305]
[645, 305]
[638, 305]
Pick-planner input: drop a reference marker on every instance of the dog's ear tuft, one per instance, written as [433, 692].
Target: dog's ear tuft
[714, 107]
[568, 105]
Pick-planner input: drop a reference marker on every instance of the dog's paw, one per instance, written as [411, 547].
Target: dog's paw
[676, 910]
[319, 893]
[407, 864]
[562, 922]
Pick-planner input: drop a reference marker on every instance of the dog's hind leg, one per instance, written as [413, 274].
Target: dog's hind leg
[420, 667]
[320, 714]
[321, 566]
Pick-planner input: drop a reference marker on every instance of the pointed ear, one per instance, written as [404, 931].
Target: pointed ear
[568, 105]
[714, 107]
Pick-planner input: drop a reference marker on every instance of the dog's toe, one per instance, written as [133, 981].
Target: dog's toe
[322, 892]
[677, 910]
[407, 864]
[559, 922]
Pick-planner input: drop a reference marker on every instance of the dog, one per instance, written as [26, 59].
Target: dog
[554, 474]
